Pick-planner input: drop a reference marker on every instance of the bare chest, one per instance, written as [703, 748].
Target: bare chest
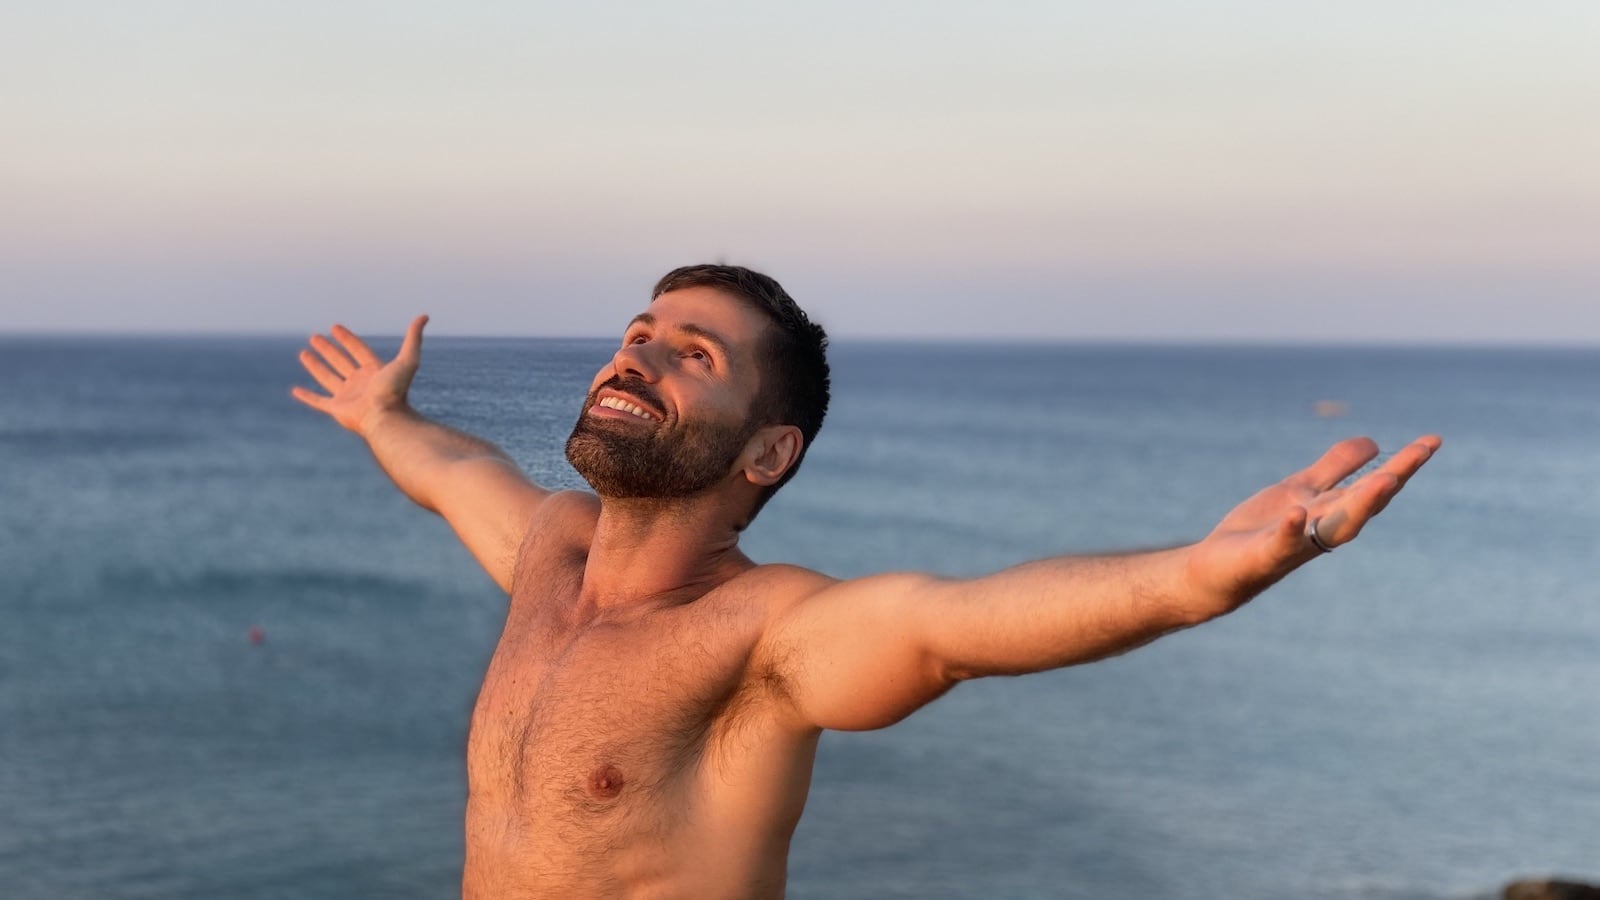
[577, 725]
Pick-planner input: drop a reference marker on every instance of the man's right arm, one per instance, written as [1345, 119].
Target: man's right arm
[473, 484]
[866, 653]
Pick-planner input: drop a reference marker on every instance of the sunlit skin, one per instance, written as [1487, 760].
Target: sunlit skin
[648, 722]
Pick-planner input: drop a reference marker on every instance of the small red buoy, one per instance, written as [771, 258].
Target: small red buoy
[257, 635]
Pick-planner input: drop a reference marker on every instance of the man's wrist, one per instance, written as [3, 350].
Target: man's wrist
[378, 416]
[1199, 597]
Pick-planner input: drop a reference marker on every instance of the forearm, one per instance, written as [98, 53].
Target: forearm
[1063, 611]
[416, 452]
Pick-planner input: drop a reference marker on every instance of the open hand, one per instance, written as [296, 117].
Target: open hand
[1266, 537]
[359, 384]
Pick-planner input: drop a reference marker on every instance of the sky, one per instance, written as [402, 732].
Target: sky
[1238, 170]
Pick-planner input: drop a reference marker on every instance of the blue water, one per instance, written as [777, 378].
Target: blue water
[1417, 716]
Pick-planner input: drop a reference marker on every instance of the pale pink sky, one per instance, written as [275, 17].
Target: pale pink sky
[1235, 170]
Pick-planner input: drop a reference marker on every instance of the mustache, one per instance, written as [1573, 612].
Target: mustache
[633, 386]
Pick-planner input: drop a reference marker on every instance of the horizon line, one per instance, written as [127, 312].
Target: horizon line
[834, 339]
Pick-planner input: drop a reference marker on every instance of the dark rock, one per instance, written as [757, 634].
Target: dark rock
[1550, 890]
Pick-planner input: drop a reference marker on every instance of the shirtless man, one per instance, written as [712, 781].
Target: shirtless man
[648, 723]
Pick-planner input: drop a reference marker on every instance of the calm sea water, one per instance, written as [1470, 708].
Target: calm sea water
[1417, 716]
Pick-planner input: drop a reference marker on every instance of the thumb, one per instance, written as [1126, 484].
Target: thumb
[1292, 527]
[1289, 537]
[411, 347]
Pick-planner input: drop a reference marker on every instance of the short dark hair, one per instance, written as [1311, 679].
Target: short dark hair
[794, 381]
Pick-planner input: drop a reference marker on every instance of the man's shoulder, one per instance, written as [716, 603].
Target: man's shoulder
[558, 533]
[568, 515]
[573, 503]
[772, 590]
[781, 580]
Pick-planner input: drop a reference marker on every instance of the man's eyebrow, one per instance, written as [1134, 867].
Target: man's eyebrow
[709, 337]
[704, 334]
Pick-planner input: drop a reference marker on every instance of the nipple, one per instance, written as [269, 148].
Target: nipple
[606, 782]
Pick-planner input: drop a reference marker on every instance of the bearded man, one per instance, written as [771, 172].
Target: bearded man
[649, 719]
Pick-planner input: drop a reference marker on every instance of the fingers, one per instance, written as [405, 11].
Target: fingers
[333, 364]
[411, 347]
[310, 398]
[1389, 478]
[1341, 459]
[352, 353]
[356, 347]
[335, 357]
[1408, 460]
[325, 376]
[1342, 522]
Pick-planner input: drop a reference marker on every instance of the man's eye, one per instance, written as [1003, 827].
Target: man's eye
[637, 339]
[700, 355]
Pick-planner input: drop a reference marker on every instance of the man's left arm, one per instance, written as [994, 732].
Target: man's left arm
[864, 654]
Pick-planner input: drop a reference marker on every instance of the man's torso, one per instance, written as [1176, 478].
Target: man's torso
[642, 754]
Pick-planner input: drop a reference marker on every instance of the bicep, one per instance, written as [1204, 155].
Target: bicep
[489, 504]
[857, 655]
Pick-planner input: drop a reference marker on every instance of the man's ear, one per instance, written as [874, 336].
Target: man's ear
[771, 452]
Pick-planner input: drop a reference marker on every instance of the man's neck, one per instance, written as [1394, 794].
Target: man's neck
[657, 552]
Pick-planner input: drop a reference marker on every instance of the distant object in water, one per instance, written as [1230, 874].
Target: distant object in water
[1550, 890]
[1331, 409]
[257, 634]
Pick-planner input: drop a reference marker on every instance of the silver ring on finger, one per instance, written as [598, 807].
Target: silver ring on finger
[1316, 539]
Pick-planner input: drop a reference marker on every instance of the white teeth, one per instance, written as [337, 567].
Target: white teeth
[618, 403]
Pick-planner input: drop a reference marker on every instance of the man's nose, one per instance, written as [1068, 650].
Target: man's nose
[637, 360]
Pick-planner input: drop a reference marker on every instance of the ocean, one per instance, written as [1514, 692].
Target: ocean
[1415, 717]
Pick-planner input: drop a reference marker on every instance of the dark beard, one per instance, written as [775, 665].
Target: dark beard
[622, 460]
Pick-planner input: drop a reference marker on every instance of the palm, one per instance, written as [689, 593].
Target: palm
[1264, 538]
[359, 384]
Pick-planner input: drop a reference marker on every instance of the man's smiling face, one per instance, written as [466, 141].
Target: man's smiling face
[670, 415]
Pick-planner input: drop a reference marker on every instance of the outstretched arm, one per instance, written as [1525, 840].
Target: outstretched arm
[472, 483]
[864, 654]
